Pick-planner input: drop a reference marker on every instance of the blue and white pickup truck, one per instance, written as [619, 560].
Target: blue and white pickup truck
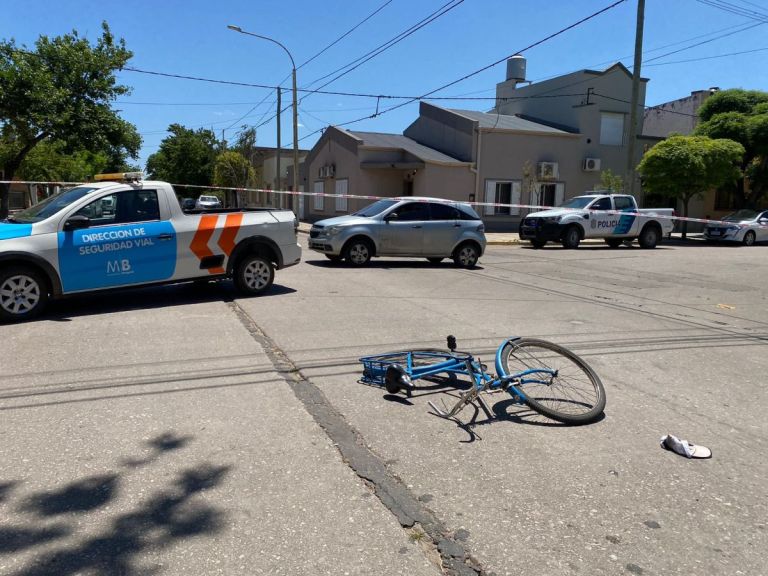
[613, 217]
[129, 232]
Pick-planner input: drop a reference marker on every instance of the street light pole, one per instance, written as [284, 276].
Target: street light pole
[295, 105]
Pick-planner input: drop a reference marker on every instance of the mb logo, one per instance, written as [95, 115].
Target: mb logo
[119, 267]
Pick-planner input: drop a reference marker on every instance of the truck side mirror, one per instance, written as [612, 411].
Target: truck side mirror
[77, 222]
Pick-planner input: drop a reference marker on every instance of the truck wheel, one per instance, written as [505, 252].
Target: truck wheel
[23, 293]
[254, 274]
[649, 236]
[614, 242]
[571, 238]
[358, 252]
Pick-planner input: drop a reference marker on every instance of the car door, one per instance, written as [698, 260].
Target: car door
[601, 223]
[442, 231]
[762, 227]
[403, 229]
[128, 245]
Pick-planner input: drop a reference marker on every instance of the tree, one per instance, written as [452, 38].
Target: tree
[742, 116]
[232, 170]
[610, 181]
[686, 166]
[246, 145]
[186, 156]
[62, 91]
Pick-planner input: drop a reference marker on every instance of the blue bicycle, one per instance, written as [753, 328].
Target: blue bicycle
[549, 378]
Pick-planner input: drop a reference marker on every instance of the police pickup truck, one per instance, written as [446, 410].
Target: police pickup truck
[122, 231]
[614, 217]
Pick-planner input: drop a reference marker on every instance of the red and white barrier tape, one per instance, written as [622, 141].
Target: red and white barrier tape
[531, 207]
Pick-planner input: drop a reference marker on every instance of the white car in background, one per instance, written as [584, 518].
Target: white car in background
[207, 203]
[745, 226]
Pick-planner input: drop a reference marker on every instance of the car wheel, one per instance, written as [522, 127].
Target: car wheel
[23, 293]
[649, 237]
[538, 243]
[571, 237]
[435, 260]
[749, 238]
[358, 252]
[466, 255]
[254, 274]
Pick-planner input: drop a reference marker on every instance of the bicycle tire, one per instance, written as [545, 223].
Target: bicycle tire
[576, 396]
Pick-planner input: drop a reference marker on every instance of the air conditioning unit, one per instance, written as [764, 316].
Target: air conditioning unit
[591, 164]
[548, 171]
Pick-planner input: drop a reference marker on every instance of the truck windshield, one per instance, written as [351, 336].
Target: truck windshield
[376, 208]
[52, 205]
[578, 202]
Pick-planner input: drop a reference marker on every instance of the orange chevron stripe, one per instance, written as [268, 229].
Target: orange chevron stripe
[199, 244]
[228, 235]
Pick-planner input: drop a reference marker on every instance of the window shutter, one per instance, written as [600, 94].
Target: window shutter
[559, 194]
[515, 199]
[490, 197]
[341, 188]
[318, 200]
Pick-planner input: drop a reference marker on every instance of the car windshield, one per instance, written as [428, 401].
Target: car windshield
[52, 205]
[578, 202]
[742, 215]
[208, 199]
[376, 208]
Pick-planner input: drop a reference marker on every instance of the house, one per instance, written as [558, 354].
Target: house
[264, 161]
[542, 143]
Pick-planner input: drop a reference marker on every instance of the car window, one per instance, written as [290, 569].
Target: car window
[602, 204]
[412, 211]
[764, 216]
[623, 203]
[123, 208]
[467, 213]
[442, 211]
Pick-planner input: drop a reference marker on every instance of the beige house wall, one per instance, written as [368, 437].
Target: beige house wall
[440, 181]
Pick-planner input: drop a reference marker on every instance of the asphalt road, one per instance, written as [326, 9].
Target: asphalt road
[181, 430]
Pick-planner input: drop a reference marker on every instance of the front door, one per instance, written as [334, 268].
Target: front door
[403, 230]
[126, 243]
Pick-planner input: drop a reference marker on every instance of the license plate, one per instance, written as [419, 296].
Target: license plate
[714, 232]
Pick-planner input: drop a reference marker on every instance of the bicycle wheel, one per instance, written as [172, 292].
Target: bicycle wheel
[569, 391]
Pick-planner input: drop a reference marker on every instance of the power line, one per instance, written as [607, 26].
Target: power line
[424, 96]
[733, 9]
[707, 57]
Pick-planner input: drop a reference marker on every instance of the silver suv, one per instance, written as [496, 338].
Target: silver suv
[416, 227]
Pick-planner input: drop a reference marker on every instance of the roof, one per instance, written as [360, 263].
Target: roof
[399, 142]
[507, 122]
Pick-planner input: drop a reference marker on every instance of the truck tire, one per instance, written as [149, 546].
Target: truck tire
[254, 274]
[23, 293]
[649, 236]
[571, 237]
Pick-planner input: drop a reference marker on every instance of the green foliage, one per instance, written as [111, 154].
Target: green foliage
[232, 170]
[49, 161]
[610, 181]
[687, 166]
[62, 92]
[741, 115]
[185, 157]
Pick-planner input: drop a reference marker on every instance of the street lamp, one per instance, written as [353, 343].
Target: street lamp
[295, 106]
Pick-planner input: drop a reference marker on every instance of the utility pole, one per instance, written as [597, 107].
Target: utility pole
[279, 108]
[629, 185]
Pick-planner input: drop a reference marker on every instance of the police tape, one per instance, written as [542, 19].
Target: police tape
[532, 207]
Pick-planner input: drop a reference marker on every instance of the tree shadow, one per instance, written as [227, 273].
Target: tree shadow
[165, 442]
[166, 516]
[5, 489]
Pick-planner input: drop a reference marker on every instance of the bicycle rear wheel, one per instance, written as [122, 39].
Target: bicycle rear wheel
[566, 389]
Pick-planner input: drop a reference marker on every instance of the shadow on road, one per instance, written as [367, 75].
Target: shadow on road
[163, 518]
[385, 264]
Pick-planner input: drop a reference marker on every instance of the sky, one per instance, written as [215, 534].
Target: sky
[688, 45]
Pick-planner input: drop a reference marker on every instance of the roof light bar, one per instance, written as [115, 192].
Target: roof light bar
[120, 177]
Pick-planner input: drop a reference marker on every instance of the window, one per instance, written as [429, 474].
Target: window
[502, 192]
[342, 187]
[725, 198]
[443, 212]
[319, 189]
[412, 212]
[123, 208]
[611, 129]
[549, 195]
[602, 204]
[624, 203]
